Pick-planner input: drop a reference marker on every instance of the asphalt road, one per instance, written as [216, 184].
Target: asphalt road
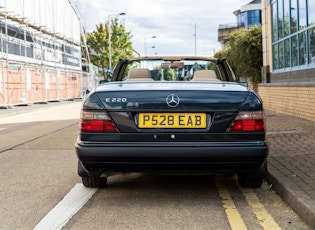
[39, 169]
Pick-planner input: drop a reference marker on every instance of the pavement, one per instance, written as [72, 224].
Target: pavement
[7, 111]
[291, 161]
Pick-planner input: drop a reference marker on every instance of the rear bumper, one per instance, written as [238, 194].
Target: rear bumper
[172, 157]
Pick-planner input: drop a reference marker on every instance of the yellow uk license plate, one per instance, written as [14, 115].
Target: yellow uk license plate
[172, 120]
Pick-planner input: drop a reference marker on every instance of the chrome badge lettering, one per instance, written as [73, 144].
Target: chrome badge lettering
[115, 99]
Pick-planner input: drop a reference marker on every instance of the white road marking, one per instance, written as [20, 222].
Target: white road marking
[66, 208]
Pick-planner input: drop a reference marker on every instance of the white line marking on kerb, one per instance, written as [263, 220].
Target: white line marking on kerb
[66, 208]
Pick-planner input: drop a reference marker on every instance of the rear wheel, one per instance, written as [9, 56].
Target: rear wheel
[253, 179]
[94, 182]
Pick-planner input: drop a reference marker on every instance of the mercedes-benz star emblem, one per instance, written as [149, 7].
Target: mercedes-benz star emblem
[172, 100]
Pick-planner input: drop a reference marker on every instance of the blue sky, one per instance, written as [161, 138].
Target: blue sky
[170, 21]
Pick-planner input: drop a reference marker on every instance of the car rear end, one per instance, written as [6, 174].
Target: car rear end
[172, 127]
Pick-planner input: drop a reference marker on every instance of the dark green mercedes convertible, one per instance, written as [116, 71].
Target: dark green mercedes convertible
[172, 115]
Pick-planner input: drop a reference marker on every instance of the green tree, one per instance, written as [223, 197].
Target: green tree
[98, 44]
[168, 74]
[244, 52]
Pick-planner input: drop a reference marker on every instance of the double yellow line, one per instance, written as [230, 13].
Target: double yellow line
[233, 215]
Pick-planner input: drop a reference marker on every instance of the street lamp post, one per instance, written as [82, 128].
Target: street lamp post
[152, 47]
[110, 39]
[145, 44]
[195, 34]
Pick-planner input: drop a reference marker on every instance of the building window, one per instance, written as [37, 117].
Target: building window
[241, 19]
[250, 18]
[302, 13]
[280, 19]
[275, 56]
[287, 51]
[293, 34]
[294, 16]
[281, 55]
[311, 12]
[303, 50]
[286, 18]
[294, 51]
[254, 17]
[274, 22]
[311, 38]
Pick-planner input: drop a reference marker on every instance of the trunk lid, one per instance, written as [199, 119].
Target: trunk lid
[157, 96]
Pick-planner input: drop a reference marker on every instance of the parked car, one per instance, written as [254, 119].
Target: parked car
[172, 115]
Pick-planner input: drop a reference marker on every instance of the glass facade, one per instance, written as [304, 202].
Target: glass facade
[249, 18]
[293, 34]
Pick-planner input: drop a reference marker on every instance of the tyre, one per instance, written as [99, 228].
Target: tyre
[253, 179]
[94, 182]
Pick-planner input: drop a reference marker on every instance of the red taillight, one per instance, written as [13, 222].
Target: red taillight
[97, 122]
[248, 122]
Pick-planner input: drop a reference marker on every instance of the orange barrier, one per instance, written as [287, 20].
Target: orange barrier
[26, 85]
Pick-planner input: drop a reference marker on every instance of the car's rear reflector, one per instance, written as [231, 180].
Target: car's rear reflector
[97, 122]
[248, 122]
